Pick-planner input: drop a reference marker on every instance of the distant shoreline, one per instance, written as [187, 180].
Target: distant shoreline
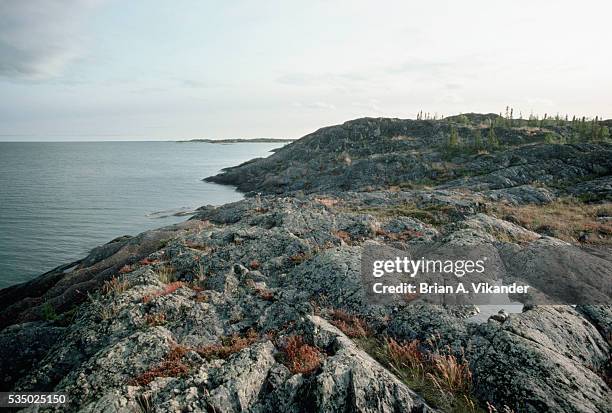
[239, 140]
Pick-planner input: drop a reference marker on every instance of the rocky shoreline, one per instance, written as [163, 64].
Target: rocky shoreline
[258, 305]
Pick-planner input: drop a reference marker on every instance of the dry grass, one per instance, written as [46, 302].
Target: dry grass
[168, 289]
[399, 236]
[228, 346]
[125, 269]
[115, 286]
[300, 357]
[566, 219]
[171, 366]
[431, 214]
[493, 409]
[406, 356]
[351, 325]
[444, 380]
[449, 374]
[105, 309]
[328, 202]
[199, 296]
[148, 261]
[156, 319]
[299, 258]
[166, 274]
[205, 248]
[343, 235]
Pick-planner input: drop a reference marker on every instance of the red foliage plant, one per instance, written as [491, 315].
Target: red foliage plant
[351, 325]
[171, 366]
[228, 346]
[168, 289]
[148, 261]
[301, 357]
[264, 294]
[254, 264]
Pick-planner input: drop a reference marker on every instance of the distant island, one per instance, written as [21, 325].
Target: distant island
[240, 140]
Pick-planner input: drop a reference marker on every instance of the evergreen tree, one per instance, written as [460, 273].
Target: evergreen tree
[453, 140]
[594, 128]
[477, 139]
[492, 140]
[604, 133]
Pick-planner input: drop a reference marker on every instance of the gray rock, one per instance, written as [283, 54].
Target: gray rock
[546, 359]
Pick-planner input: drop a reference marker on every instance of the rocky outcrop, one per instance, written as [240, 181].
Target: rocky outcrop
[380, 152]
[546, 359]
[233, 309]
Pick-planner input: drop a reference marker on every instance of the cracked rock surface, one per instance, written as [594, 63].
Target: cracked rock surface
[201, 316]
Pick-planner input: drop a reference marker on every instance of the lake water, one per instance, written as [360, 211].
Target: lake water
[60, 199]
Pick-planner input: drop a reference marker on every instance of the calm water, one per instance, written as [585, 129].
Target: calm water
[58, 200]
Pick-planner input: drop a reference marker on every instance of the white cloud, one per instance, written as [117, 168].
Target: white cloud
[38, 38]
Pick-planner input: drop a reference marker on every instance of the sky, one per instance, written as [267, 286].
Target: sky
[153, 69]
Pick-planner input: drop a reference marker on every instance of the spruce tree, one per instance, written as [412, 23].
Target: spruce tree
[492, 140]
[477, 139]
[604, 133]
[453, 139]
[594, 128]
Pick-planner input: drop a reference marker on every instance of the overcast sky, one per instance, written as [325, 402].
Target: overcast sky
[111, 69]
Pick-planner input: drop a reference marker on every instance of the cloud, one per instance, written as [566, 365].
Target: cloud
[38, 38]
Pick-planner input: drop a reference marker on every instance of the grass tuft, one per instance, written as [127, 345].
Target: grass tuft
[166, 274]
[444, 380]
[115, 286]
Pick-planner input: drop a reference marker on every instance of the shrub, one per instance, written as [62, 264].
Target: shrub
[254, 264]
[350, 325]
[228, 346]
[170, 366]
[48, 312]
[300, 357]
[168, 289]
